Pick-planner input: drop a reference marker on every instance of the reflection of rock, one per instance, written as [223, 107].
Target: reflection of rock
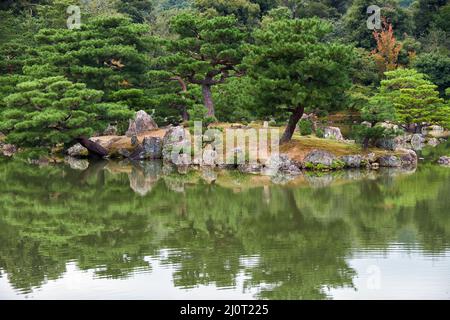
[333, 133]
[319, 181]
[174, 185]
[141, 123]
[444, 161]
[352, 161]
[209, 175]
[250, 168]
[76, 164]
[77, 151]
[321, 157]
[144, 175]
[8, 150]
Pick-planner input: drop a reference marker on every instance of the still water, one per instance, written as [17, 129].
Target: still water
[123, 231]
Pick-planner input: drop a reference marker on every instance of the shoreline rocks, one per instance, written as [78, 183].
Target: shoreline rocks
[142, 122]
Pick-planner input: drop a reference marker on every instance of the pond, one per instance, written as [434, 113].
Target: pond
[123, 231]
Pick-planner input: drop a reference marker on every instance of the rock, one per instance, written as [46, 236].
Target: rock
[235, 157]
[388, 125]
[366, 124]
[417, 141]
[209, 156]
[110, 131]
[77, 151]
[433, 142]
[390, 161]
[371, 157]
[8, 150]
[321, 157]
[280, 163]
[444, 161]
[250, 168]
[76, 164]
[142, 122]
[175, 140]
[352, 161]
[391, 143]
[409, 158]
[333, 133]
[134, 140]
[153, 147]
[433, 128]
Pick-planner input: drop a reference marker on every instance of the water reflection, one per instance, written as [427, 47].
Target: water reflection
[212, 230]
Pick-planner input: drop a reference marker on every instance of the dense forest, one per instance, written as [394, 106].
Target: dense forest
[70, 68]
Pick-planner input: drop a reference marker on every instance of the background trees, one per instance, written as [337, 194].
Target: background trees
[296, 69]
[182, 59]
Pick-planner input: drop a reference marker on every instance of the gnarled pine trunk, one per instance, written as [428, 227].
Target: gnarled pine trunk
[293, 120]
[207, 98]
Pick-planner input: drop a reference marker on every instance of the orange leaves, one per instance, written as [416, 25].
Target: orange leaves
[388, 49]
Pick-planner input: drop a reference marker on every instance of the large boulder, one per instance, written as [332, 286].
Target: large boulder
[76, 164]
[391, 143]
[333, 133]
[281, 164]
[389, 160]
[175, 140]
[408, 158]
[352, 161]
[142, 122]
[77, 151]
[319, 157]
[152, 148]
[417, 141]
[110, 131]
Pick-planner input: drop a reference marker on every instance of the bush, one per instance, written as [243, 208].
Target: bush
[320, 133]
[306, 127]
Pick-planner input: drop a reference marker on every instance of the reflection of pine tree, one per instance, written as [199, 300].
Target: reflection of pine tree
[300, 238]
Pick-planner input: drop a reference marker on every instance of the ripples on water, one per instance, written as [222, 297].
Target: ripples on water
[122, 231]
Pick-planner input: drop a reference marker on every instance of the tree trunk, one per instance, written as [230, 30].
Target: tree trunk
[293, 120]
[94, 148]
[207, 98]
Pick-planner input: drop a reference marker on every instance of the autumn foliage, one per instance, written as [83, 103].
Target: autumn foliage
[388, 49]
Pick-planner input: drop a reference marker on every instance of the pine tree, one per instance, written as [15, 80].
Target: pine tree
[206, 52]
[48, 111]
[416, 99]
[296, 69]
